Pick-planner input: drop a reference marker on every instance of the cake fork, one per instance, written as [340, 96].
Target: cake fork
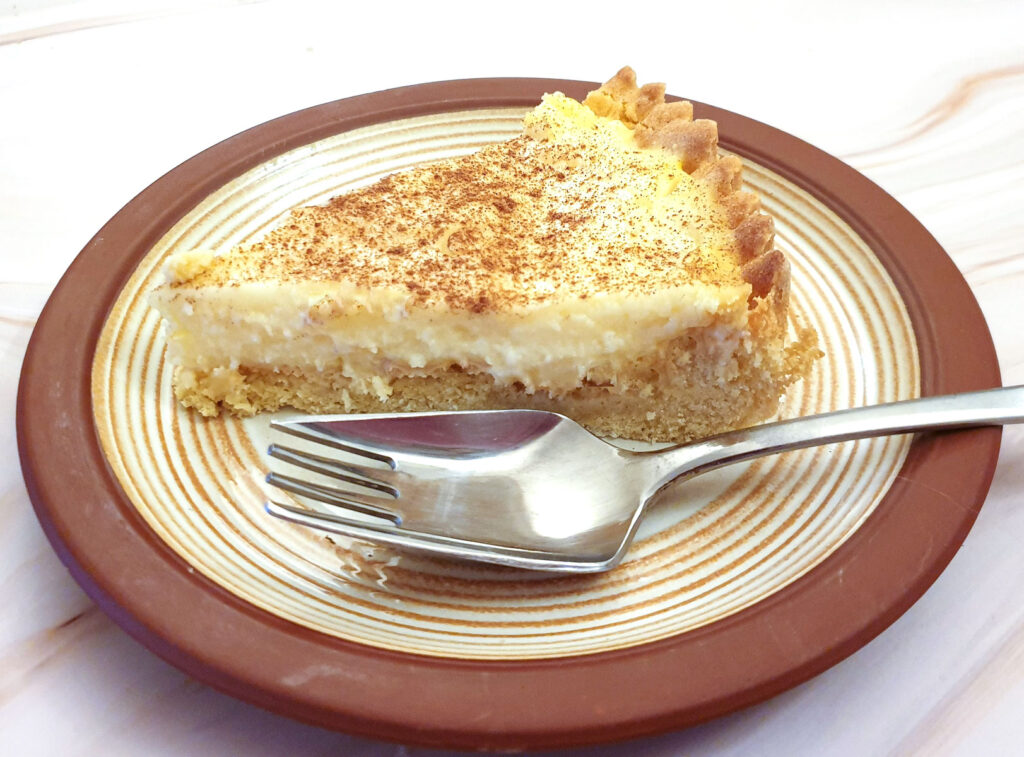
[533, 489]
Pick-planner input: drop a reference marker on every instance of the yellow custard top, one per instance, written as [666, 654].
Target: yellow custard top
[571, 209]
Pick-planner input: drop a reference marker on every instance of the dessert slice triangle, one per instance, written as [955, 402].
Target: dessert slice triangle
[605, 264]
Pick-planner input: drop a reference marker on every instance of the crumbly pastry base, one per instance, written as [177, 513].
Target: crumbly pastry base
[680, 396]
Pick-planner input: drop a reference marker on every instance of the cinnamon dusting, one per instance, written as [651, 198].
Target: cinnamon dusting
[571, 208]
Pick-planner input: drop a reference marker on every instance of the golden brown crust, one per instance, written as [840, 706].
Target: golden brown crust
[767, 272]
[755, 235]
[620, 98]
[662, 114]
[724, 177]
[695, 143]
[738, 206]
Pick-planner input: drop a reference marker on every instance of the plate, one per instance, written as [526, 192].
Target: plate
[740, 585]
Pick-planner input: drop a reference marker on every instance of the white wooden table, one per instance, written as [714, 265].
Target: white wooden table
[99, 98]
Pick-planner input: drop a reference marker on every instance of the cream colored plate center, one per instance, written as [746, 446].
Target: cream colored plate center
[708, 549]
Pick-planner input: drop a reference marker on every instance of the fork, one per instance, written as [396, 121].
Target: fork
[533, 489]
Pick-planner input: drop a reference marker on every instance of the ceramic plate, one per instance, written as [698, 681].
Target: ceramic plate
[739, 585]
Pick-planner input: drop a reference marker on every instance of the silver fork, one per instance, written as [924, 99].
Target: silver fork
[535, 490]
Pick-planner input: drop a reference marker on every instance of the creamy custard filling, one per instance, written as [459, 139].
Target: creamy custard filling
[553, 347]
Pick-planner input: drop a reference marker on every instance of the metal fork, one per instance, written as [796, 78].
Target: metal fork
[533, 489]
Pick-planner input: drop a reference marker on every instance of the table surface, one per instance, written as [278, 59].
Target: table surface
[99, 98]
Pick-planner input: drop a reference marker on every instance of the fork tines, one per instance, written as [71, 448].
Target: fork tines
[365, 477]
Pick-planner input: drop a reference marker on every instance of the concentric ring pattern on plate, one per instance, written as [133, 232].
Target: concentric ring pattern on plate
[707, 549]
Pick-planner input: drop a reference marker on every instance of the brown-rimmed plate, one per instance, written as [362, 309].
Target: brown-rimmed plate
[736, 591]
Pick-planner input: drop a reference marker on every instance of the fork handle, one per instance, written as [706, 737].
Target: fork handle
[989, 407]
